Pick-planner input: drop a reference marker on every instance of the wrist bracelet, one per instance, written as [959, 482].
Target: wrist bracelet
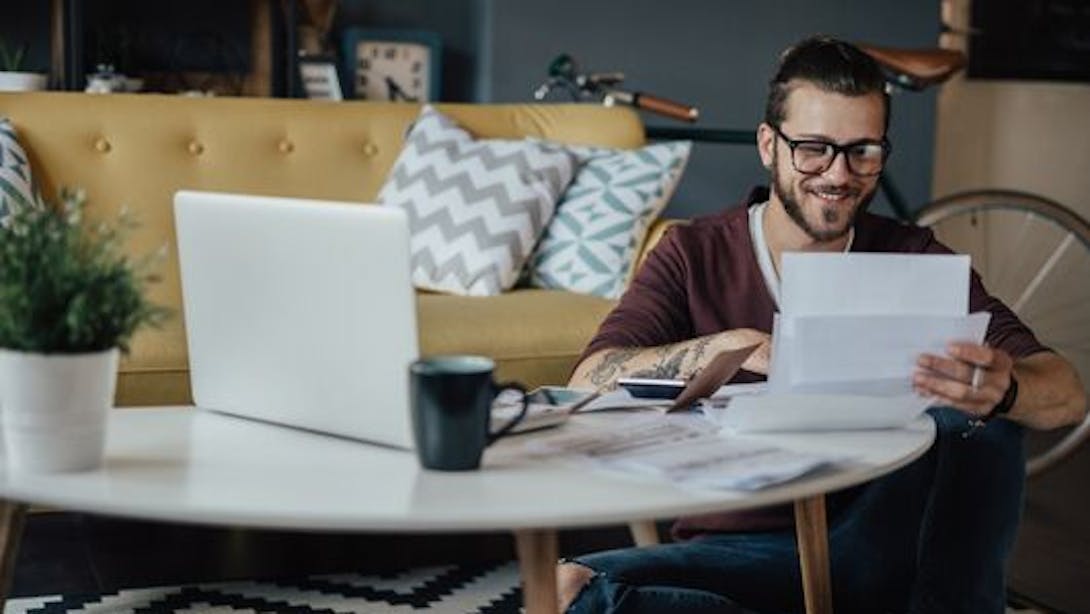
[1002, 407]
[1005, 404]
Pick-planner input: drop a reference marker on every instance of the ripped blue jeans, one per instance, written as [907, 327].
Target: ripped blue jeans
[931, 537]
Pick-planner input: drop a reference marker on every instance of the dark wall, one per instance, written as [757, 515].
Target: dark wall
[27, 23]
[716, 55]
[713, 54]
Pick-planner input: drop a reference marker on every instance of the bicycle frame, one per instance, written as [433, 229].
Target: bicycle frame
[726, 136]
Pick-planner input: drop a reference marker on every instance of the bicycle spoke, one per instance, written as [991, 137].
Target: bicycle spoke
[1005, 275]
[1043, 272]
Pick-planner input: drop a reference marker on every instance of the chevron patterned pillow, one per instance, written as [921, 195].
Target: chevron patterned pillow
[476, 207]
[17, 189]
[590, 244]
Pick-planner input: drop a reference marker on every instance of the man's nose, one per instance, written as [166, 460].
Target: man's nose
[838, 170]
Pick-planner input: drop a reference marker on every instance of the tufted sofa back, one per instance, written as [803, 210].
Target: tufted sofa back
[137, 150]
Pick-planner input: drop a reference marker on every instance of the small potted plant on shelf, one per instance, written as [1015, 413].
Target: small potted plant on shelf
[70, 300]
[12, 76]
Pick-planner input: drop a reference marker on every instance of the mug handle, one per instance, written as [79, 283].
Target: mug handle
[499, 389]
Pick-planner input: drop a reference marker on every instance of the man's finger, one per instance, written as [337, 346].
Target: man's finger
[974, 353]
[957, 393]
[951, 368]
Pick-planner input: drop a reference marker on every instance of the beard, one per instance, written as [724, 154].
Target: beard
[830, 214]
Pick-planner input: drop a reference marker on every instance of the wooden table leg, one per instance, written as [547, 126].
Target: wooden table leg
[538, 552]
[812, 533]
[12, 516]
[644, 532]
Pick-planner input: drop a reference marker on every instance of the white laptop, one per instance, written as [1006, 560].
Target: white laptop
[299, 312]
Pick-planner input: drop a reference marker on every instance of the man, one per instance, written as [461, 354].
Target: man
[932, 537]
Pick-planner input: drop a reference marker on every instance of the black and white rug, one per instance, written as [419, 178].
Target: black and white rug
[455, 589]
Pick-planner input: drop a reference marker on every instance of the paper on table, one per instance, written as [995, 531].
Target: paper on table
[626, 437]
[722, 463]
[871, 354]
[874, 284]
[819, 412]
[682, 450]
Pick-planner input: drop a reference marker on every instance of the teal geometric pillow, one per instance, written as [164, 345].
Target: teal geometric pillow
[601, 220]
[17, 189]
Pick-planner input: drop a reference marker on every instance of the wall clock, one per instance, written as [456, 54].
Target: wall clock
[398, 65]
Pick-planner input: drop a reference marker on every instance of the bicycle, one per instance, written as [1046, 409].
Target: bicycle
[982, 223]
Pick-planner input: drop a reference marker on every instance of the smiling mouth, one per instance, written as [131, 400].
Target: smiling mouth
[834, 196]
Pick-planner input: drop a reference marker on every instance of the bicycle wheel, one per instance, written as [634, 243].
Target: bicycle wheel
[1034, 255]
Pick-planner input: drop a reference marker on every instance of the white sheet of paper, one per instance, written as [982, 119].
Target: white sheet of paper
[683, 449]
[819, 412]
[877, 352]
[722, 463]
[874, 284]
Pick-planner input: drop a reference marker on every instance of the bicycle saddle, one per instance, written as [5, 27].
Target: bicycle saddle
[917, 69]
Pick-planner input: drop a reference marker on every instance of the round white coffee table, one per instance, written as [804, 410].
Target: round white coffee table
[178, 464]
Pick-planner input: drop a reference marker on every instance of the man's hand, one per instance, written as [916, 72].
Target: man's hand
[761, 357]
[972, 377]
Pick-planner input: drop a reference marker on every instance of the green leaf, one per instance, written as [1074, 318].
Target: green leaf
[66, 287]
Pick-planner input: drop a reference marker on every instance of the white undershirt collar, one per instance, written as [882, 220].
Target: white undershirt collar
[764, 256]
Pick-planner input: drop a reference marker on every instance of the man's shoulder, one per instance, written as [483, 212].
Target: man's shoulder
[710, 232]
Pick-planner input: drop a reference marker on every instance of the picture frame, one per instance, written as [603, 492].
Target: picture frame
[320, 78]
[392, 64]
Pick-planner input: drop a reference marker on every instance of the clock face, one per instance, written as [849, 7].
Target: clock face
[393, 70]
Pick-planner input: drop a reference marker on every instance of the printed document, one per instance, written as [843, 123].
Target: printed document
[846, 341]
[683, 449]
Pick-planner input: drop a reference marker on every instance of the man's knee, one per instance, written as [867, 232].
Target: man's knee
[570, 580]
[955, 425]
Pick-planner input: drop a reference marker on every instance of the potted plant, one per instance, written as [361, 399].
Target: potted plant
[70, 300]
[12, 76]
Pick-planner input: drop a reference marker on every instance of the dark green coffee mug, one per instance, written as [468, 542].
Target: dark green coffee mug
[451, 399]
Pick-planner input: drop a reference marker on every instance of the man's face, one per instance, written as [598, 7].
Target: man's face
[823, 206]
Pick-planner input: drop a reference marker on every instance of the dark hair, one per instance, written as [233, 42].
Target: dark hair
[832, 65]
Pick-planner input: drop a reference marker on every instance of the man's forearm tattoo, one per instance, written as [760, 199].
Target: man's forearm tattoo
[610, 366]
[699, 348]
[669, 365]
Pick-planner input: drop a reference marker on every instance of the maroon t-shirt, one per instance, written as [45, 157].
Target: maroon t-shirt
[703, 278]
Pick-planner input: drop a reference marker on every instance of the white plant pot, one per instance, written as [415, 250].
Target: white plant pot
[53, 409]
[22, 81]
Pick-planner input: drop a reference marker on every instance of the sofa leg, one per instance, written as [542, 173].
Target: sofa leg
[12, 517]
[644, 532]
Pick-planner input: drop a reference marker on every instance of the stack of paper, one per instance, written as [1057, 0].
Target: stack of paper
[846, 341]
[682, 449]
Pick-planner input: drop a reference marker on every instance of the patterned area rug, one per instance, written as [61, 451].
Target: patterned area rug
[462, 589]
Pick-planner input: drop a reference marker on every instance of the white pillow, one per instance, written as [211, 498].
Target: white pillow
[476, 208]
[603, 217]
[17, 189]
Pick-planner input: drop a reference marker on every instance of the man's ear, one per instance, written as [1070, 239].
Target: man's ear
[766, 143]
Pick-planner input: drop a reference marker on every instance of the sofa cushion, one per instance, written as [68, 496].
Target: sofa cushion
[17, 188]
[591, 242]
[534, 335]
[476, 208]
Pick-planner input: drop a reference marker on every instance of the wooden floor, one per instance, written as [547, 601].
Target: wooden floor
[1051, 563]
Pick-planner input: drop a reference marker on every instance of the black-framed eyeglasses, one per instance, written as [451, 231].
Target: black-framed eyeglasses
[865, 158]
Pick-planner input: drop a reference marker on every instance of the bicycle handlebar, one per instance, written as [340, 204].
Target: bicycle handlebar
[563, 74]
[654, 104]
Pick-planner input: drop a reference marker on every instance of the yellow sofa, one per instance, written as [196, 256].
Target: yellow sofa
[137, 150]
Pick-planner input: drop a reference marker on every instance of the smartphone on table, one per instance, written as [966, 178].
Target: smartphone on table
[647, 388]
